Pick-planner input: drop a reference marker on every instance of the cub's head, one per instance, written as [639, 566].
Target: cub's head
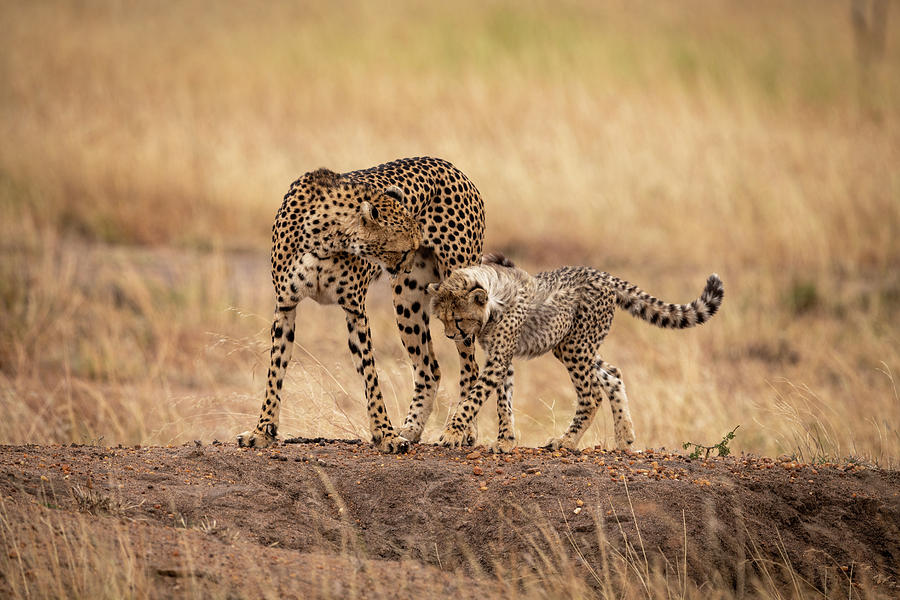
[461, 303]
[382, 230]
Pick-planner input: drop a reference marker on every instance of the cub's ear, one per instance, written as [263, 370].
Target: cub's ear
[369, 212]
[432, 289]
[395, 192]
[479, 296]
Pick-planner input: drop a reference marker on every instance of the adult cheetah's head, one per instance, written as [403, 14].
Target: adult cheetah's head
[383, 231]
[462, 305]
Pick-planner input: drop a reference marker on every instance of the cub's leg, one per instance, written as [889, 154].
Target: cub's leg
[459, 424]
[609, 379]
[412, 306]
[580, 372]
[506, 438]
[468, 375]
[282, 333]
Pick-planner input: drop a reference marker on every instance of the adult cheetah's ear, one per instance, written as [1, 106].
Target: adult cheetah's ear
[479, 296]
[432, 289]
[395, 192]
[369, 212]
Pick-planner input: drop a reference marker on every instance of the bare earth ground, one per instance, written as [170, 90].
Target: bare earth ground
[323, 518]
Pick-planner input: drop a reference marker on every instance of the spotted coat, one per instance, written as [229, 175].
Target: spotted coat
[429, 220]
[568, 312]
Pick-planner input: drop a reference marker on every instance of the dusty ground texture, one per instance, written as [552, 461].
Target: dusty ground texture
[337, 519]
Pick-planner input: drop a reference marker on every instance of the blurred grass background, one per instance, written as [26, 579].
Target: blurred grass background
[146, 147]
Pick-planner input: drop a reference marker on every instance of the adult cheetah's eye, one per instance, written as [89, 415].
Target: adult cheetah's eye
[369, 212]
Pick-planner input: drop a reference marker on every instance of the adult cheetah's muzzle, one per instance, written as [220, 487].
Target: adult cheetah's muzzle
[406, 262]
[467, 340]
[403, 265]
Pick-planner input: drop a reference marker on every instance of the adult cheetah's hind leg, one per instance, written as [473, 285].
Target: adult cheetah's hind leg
[266, 431]
[411, 306]
[610, 380]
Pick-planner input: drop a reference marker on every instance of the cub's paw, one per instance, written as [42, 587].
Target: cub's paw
[411, 433]
[256, 439]
[503, 445]
[454, 438]
[560, 442]
[391, 443]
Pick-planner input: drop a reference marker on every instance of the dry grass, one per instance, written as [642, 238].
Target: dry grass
[51, 553]
[146, 149]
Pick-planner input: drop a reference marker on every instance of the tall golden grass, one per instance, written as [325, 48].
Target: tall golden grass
[146, 148]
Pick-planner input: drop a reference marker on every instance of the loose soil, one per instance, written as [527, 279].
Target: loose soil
[332, 518]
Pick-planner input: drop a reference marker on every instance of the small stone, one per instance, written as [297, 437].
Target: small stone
[474, 455]
[477, 470]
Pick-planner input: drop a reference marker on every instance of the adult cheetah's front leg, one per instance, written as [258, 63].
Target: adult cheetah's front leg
[360, 341]
[411, 305]
[266, 431]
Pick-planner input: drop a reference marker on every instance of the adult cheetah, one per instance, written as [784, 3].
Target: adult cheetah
[315, 255]
[568, 312]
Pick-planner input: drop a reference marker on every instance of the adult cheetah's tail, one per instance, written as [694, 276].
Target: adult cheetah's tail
[662, 314]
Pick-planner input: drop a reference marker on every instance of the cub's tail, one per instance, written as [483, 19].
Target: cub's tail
[662, 314]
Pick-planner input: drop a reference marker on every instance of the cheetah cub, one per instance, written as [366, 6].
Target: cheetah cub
[567, 311]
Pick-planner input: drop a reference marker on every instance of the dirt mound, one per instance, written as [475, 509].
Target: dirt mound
[338, 519]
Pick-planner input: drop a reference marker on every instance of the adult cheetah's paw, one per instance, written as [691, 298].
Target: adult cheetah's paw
[471, 434]
[391, 443]
[256, 439]
[454, 438]
[561, 442]
[625, 438]
[503, 445]
[411, 433]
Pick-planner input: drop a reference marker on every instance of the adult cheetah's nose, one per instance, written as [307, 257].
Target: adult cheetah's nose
[407, 260]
